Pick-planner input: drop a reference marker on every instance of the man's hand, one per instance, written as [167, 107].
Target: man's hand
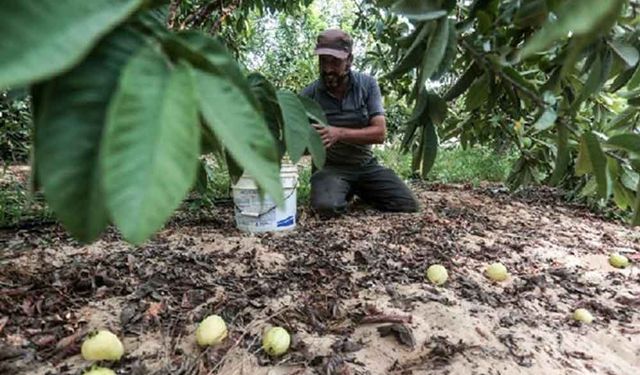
[329, 134]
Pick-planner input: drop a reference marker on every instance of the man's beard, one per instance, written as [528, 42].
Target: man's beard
[333, 80]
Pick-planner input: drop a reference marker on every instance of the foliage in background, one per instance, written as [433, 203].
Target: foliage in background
[557, 79]
[15, 129]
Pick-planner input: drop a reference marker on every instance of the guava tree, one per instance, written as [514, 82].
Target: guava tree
[559, 79]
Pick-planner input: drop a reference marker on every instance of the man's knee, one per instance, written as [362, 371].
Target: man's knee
[401, 204]
[327, 206]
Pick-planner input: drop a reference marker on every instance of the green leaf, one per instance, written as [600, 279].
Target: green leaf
[629, 178]
[296, 124]
[589, 188]
[484, 22]
[46, 37]
[208, 54]
[415, 120]
[621, 80]
[151, 146]
[70, 118]
[315, 112]
[316, 148]
[580, 17]
[623, 119]
[518, 80]
[437, 108]
[429, 149]
[419, 10]
[621, 197]
[634, 82]
[241, 129]
[265, 93]
[592, 159]
[629, 142]
[463, 83]
[627, 53]
[583, 163]
[414, 54]
[478, 93]
[635, 219]
[450, 52]
[563, 156]
[435, 50]
[597, 77]
[634, 101]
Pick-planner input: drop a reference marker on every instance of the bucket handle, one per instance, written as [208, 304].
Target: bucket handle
[260, 214]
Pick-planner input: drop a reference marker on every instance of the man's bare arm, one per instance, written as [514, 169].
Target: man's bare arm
[372, 134]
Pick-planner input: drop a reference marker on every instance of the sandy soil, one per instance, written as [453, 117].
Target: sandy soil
[338, 286]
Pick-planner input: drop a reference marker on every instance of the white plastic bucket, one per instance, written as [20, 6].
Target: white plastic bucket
[260, 214]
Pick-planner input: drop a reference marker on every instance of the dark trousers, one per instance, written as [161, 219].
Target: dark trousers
[333, 185]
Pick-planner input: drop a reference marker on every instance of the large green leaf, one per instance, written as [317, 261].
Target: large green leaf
[266, 95]
[627, 53]
[478, 93]
[151, 146]
[419, 10]
[70, 117]
[437, 108]
[450, 53]
[563, 155]
[416, 119]
[592, 159]
[518, 80]
[634, 81]
[429, 148]
[296, 124]
[435, 50]
[597, 77]
[629, 142]
[241, 129]
[208, 54]
[463, 83]
[580, 17]
[314, 111]
[414, 54]
[623, 119]
[46, 37]
[635, 219]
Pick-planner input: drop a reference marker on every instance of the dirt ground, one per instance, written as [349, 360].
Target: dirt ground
[351, 290]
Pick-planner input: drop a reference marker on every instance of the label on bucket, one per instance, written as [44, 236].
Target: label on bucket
[263, 221]
[286, 222]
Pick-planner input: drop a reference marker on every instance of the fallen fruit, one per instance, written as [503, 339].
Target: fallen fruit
[100, 371]
[583, 315]
[437, 274]
[103, 346]
[618, 261]
[276, 341]
[497, 272]
[211, 331]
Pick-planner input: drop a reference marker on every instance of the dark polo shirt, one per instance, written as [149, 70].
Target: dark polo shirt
[360, 103]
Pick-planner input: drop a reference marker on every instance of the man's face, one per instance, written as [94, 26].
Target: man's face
[333, 70]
